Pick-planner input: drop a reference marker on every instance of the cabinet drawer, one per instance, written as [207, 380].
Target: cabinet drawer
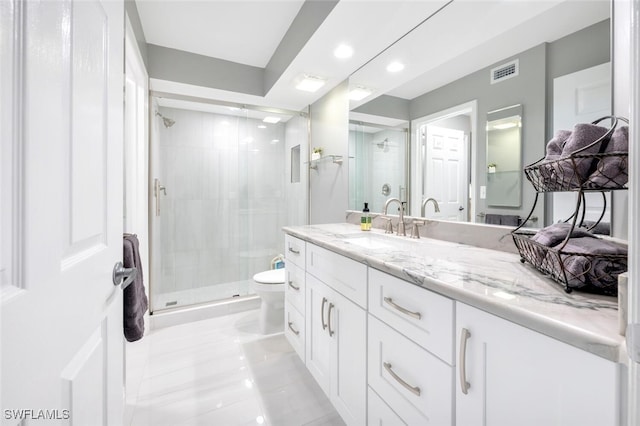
[294, 249]
[294, 328]
[379, 413]
[412, 382]
[294, 286]
[423, 316]
[344, 275]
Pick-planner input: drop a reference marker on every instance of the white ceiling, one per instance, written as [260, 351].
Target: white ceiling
[247, 32]
[463, 37]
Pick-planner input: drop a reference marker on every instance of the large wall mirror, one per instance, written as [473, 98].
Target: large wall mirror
[455, 85]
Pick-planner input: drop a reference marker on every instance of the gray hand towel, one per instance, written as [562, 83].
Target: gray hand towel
[556, 233]
[135, 302]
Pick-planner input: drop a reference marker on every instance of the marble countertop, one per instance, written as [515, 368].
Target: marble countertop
[491, 280]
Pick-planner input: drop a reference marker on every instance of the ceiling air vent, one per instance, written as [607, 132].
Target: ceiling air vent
[505, 72]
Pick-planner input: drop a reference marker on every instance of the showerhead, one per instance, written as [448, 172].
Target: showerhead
[383, 144]
[166, 121]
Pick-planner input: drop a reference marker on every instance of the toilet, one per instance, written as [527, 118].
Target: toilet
[269, 285]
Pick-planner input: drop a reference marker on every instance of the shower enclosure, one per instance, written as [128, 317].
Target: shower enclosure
[219, 199]
[377, 165]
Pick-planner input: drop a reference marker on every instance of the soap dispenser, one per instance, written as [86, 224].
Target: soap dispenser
[365, 219]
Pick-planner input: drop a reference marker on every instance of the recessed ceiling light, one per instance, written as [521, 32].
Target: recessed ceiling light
[274, 141]
[310, 83]
[395, 67]
[358, 93]
[261, 126]
[343, 51]
[271, 120]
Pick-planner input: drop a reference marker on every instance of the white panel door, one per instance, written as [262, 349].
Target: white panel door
[62, 339]
[445, 172]
[581, 97]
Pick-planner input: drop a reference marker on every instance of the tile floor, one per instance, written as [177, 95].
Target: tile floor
[221, 371]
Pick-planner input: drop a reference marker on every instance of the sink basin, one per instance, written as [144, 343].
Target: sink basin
[371, 242]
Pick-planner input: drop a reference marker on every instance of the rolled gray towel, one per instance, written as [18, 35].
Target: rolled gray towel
[594, 268]
[612, 171]
[556, 144]
[582, 136]
[556, 233]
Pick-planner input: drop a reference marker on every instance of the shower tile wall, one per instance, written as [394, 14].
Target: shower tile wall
[373, 166]
[221, 217]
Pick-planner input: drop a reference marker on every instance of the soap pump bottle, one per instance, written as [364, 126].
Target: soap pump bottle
[365, 219]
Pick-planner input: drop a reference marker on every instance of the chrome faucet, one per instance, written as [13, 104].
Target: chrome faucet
[401, 230]
[424, 205]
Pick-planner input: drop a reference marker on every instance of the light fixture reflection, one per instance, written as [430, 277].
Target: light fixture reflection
[358, 93]
[310, 83]
[395, 67]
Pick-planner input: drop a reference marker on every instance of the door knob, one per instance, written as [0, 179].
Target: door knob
[460, 208]
[120, 273]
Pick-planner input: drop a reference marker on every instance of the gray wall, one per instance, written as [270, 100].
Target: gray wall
[132, 13]
[184, 67]
[329, 183]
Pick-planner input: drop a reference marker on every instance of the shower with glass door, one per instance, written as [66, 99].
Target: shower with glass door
[218, 200]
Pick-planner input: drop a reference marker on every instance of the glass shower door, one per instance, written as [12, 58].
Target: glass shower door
[219, 216]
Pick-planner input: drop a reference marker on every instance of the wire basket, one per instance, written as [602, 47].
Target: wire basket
[590, 168]
[593, 273]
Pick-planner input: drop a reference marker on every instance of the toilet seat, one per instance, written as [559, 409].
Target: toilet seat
[272, 276]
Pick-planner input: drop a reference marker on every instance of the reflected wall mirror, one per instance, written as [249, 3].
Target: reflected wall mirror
[504, 157]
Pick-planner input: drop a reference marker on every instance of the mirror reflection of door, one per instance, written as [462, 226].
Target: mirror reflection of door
[581, 97]
[445, 152]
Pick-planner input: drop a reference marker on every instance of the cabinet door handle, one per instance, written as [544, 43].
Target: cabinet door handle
[413, 389]
[293, 286]
[294, 251]
[405, 311]
[464, 336]
[331, 306]
[296, 332]
[324, 326]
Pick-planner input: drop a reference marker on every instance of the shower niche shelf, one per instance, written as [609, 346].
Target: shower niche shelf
[335, 159]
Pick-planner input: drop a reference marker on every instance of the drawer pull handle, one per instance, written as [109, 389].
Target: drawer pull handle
[324, 326]
[464, 385]
[413, 389]
[296, 332]
[293, 286]
[405, 311]
[294, 251]
[331, 306]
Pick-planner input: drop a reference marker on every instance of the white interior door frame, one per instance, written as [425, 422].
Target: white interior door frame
[470, 108]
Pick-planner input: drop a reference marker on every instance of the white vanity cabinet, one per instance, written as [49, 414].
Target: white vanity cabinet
[509, 375]
[294, 307]
[336, 340]
[410, 353]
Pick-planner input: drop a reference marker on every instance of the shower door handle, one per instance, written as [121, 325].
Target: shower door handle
[156, 191]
